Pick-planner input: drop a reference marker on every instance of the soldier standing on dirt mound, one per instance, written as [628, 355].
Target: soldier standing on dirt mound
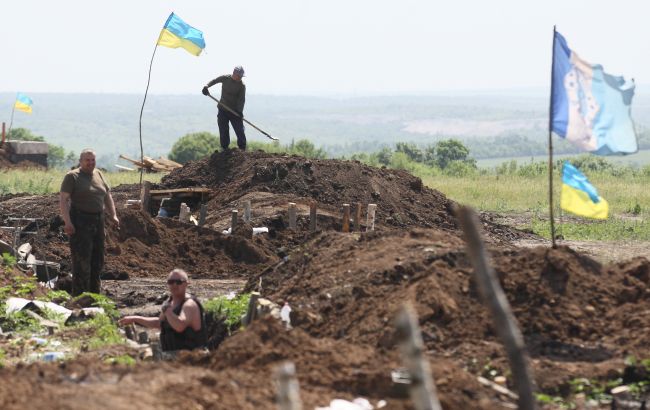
[233, 96]
[84, 196]
[181, 322]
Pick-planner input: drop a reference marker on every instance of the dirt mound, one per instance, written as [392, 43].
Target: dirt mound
[402, 200]
[569, 307]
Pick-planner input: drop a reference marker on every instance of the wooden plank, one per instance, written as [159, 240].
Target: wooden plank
[145, 196]
[123, 168]
[179, 190]
[168, 162]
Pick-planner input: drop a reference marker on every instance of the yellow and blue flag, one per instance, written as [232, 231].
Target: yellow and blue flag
[591, 108]
[579, 196]
[177, 33]
[23, 103]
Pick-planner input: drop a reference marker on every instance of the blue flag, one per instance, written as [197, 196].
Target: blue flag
[591, 108]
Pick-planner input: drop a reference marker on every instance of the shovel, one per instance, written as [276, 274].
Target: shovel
[243, 119]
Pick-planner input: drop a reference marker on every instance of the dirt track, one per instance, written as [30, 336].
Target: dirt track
[580, 318]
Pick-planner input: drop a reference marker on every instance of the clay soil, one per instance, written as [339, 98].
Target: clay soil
[580, 318]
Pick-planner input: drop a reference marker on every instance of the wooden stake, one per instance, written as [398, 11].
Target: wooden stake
[496, 301]
[247, 211]
[251, 313]
[313, 215]
[233, 221]
[202, 214]
[422, 388]
[346, 218]
[292, 215]
[357, 217]
[370, 221]
[145, 196]
[288, 388]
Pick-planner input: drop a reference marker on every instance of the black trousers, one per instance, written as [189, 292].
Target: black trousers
[224, 118]
[87, 249]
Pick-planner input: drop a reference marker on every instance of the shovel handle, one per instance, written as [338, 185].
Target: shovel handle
[243, 119]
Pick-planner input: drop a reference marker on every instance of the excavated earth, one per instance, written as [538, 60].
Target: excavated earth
[579, 318]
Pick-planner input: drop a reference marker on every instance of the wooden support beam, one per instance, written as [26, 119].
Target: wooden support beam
[422, 388]
[251, 313]
[497, 303]
[202, 214]
[292, 216]
[356, 217]
[313, 216]
[145, 196]
[346, 218]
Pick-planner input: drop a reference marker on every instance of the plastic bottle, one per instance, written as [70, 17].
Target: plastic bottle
[285, 315]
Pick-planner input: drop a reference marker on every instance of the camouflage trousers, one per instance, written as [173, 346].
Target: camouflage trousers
[87, 249]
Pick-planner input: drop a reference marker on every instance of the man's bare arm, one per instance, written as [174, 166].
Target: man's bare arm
[188, 316]
[64, 205]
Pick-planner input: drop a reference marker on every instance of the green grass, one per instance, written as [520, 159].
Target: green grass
[628, 198]
[41, 182]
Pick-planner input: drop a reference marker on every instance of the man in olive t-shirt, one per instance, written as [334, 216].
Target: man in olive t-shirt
[233, 96]
[84, 194]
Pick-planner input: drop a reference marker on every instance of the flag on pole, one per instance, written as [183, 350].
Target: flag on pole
[177, 33]
[23, 103]
[579, 196]
[591, 108]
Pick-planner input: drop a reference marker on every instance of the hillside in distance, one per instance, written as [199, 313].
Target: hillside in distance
[109, 122]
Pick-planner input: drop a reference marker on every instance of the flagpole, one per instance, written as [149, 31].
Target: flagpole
[142, 109]
[550, 145]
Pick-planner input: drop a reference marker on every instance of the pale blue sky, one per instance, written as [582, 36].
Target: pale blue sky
[333, 47]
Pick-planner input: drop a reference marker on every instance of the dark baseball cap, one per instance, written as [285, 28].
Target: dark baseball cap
[239, 70]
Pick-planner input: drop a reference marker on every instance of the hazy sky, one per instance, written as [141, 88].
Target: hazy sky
[333, 47]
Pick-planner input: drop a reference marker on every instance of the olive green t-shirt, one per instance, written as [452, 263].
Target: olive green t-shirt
[233, 93]
[87, 192]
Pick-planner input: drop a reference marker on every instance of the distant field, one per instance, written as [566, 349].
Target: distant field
[640, 159]
[629, 201]
[45, 182]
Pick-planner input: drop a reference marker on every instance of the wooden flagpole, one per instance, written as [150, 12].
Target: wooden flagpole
[142, 109]
[550, 146]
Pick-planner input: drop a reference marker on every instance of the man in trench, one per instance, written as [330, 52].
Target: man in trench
[181, 320]
[233, 96]
[84, 197]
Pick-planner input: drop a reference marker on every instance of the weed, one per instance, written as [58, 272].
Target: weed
[103, 302]
[229, 310]
[105, 330]
[554, 400]
[56, 296]
[8, 260]
[124, 359]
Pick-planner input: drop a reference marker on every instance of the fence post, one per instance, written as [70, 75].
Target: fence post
[346, 218]
[202, 214]
[356, 218]
[288, 388]
[313, 223]
[233, 221]
[145, 197]
[496, 301]
[292, 215]
[370, 221]
[422, 388]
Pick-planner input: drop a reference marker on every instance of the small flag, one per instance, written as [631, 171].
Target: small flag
[591, 108]
[23, 103]
[579, 196]
[177, 33]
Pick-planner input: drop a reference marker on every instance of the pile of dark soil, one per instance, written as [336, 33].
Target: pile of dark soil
[402, 200]
[569, 307]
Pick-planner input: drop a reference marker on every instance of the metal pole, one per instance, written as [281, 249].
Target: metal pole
[550, 146]
[3, 133]
[11, 122]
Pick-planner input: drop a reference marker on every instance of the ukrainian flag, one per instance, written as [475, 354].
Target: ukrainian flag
[579, 196]
[177, 33]
[23, 103]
